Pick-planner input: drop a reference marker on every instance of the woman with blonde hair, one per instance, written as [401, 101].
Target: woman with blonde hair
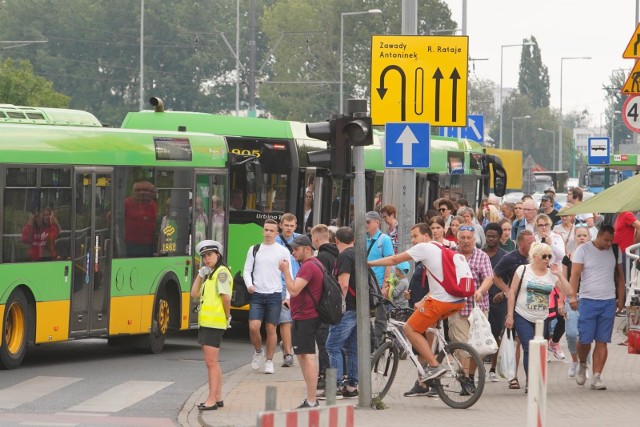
[528, 299]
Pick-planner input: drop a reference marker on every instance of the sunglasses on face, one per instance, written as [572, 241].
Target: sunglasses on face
[581, 224]
[545, 256]
[466, 228]
[443, 209]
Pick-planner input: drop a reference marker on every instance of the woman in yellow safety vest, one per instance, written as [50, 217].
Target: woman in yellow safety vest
[213, 287]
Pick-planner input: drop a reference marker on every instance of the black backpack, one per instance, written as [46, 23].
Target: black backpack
[375, 293]
[332, 305]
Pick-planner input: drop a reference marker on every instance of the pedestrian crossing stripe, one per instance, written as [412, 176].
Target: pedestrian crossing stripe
[32, 389]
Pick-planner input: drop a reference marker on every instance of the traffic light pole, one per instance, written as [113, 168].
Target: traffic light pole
[363, 320]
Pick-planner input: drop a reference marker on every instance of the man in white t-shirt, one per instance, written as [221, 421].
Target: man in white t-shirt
[438, 304]
[595, 267]
[263, 279]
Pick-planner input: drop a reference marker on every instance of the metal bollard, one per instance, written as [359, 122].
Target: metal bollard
[537, 397]
[330, 387]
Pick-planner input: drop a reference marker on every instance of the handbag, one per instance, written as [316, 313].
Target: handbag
[506, 366]
[480, 336]
[240, 295]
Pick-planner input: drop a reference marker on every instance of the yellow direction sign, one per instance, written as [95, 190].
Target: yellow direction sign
[632, 85]
[419, 79]
[633, 47]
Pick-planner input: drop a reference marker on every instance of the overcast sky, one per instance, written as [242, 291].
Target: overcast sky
[563, 28]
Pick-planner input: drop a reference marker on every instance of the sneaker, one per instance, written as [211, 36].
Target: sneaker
[258, 358]
[622, 313]
[433, 372]
[323, 396]
[597, 384]
[287, 361]
[468, 387]
[581, 376]
[417, 390]
[493, 377]
[432, 392]
[321, 383]
[268, 367]
[573, 369]
[346, 393]
[554, 347]
[306, 404]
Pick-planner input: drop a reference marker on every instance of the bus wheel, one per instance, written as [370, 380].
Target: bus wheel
[159, 325]
[14, 331]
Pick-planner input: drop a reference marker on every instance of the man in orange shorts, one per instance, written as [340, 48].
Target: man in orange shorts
[438, 304]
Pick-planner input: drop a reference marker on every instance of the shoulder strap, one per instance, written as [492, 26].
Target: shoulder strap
[520, 284]
[373, 241]
[440, 282]
[255, 251]
[286, 244]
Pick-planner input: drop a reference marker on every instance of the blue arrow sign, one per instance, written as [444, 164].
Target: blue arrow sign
[599, 149]
[407, 145]
[474, 130]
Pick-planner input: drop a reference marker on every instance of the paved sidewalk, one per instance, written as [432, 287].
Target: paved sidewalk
[567, 403]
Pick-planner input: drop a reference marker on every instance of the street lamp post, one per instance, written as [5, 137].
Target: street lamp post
[513, 119]
[613, 129]
[564, 58]
[342, 15]
[501, 63]
[553, 141]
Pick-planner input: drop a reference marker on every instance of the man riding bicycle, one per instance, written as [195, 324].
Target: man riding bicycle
[437, 305]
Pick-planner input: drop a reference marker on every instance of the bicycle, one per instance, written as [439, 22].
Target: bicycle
[453, 387]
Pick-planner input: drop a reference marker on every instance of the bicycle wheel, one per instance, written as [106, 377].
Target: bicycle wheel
[454, 387]
[384, 365]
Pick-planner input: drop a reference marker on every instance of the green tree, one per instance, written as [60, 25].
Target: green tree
[19, 86]
[534, 75]
[480, 99]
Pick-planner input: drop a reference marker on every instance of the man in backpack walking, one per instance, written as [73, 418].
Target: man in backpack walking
[264, 282]
[437, 305]
[306, 288]
[343, 336]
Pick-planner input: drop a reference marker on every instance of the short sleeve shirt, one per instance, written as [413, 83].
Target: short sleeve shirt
[506, 267]
[533, 297]
[596, 281]
[624, 231]
[382, 247]
[346, 263]
[431, 257]
[302, 305]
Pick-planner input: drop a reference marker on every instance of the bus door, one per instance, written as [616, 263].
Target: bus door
[92, 251]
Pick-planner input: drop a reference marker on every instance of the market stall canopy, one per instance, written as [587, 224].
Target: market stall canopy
[624, 196]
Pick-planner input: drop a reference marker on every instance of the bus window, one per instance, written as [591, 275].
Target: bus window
[36, 219]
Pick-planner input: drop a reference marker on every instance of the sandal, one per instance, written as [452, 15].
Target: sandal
[514, 384]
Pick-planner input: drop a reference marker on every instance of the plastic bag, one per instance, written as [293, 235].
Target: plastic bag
[480, 336]
[507, 355]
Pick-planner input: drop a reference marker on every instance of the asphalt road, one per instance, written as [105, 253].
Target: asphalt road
[87, 382]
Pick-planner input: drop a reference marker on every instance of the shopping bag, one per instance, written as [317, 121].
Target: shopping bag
[507, 355]
[480, 336]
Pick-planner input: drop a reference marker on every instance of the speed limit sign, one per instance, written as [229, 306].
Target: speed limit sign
[631, 113]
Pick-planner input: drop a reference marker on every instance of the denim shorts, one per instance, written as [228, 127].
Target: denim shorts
[596, 320]
[285, 315]
[265, 307]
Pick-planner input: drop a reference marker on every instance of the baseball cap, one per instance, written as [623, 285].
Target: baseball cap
[546, 198]
[301, 241]
[404, 267]
[209, 246]
[373, 215]
[550, 190]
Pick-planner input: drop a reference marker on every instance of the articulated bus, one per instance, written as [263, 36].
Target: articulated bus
[621, 167]
[269, 174]
[99, 226]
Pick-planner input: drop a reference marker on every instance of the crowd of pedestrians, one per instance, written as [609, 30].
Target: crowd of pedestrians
[529, 261]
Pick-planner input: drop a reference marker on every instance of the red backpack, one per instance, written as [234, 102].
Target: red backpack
[457, 279]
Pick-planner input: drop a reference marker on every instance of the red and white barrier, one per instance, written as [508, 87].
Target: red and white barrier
[322, 416]
[537, 396]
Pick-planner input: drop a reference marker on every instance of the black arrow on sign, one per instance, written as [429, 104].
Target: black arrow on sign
[454, 92]
[403, 91]
[437, 76]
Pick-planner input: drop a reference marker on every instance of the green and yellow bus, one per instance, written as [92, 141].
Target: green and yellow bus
[98, 228]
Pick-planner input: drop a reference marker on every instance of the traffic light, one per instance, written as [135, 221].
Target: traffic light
[341, 134]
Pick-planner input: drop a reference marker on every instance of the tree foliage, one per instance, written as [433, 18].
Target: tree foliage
[534, 75]
[19, 86]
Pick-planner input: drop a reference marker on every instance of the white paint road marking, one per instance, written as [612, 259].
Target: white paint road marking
[30, 390]
[121, 396]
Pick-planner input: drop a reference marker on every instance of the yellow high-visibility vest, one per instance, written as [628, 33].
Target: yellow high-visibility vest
[211, 314]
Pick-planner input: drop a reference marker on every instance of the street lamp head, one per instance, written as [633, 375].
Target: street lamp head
[527, 117]
[374, 11]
